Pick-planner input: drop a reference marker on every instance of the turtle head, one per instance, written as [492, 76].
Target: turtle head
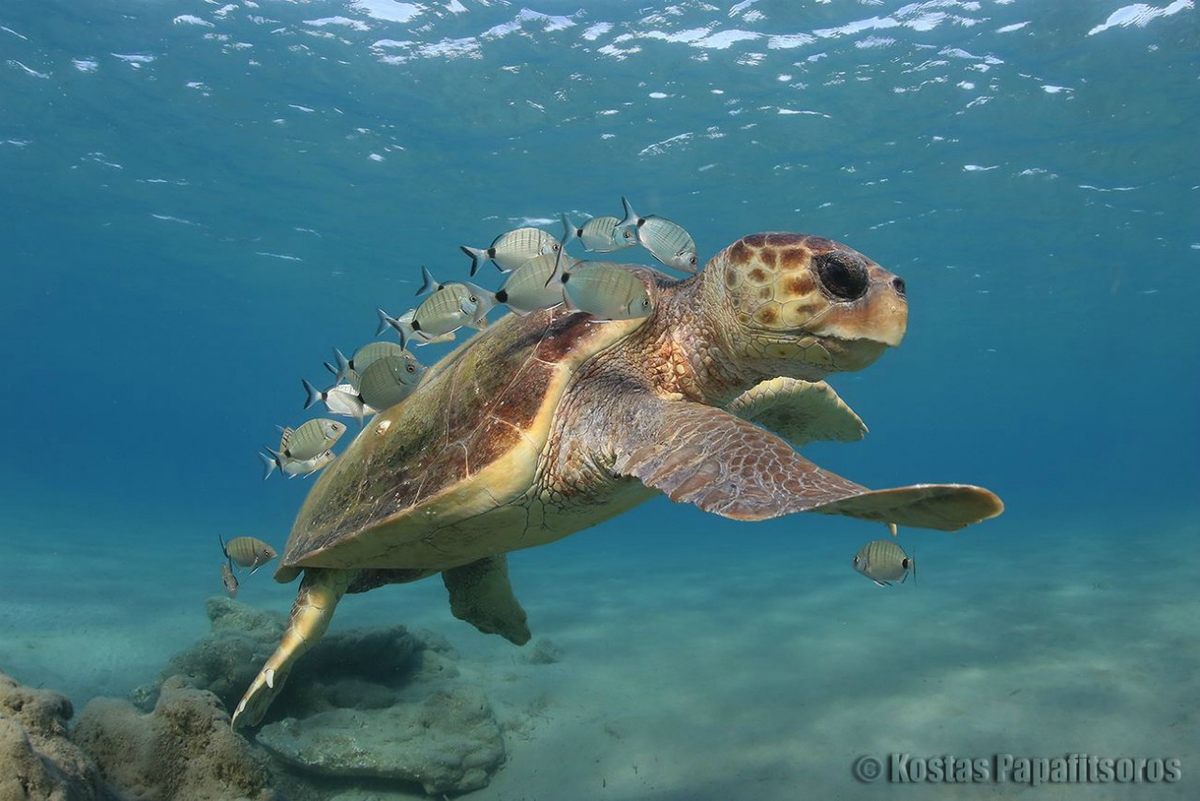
[804, 306]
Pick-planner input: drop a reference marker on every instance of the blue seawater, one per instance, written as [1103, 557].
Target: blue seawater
[201, 200]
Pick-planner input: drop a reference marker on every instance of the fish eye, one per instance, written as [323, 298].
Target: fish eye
[645, 303]
[472, 298]
[411, 369]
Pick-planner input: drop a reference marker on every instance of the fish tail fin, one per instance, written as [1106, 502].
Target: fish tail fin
[631, 218]
[478, 257]
[384, 321]
[314, 394]
[268, 468]
[427, 282]
[912, 562]
[397, 324]
[343, 366]
[570, 232]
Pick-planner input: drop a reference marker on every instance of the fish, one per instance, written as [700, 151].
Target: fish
[311, 439]
[883, 561]
[403, 326]
[666, 241]
[510, 250]
[340, 399]
[228, 579]
[292, 467]
[248, 552]
[528, 288]
[599, 234]
[349, 370]
[389, 380]
[448, 308]
[604, 290]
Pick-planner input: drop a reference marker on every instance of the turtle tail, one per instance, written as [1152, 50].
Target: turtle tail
[318, 596]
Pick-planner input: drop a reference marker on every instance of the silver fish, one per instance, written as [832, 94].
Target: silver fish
[510, 250]
[528, 288]
[292, 467]
[599, 234]
[228, 579]
[389, 380]
[370, 352]
[883, 561]
[340, 399]
[666, 241]
[449, 308]
[248, 552]
[311, 439]
[604, 290]
[402, 325]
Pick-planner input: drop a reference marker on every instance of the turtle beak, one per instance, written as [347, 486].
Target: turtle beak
[880, 315]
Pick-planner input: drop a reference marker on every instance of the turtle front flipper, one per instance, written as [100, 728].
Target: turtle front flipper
[481, 594]
[318, 596]
[799, 411]
[723, 464]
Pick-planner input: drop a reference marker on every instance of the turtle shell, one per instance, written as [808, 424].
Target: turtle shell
[442, 478]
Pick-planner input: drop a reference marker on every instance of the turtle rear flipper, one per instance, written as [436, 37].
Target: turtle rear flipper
[711, 458]
[481, 594]
[318, 596]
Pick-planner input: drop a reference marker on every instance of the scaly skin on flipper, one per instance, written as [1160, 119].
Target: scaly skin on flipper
[481, 594]
[319, 594]
[671, 445]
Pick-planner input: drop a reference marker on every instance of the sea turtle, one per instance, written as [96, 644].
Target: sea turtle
[545, 424]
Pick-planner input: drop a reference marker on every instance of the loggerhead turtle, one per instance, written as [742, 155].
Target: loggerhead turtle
[546, 424]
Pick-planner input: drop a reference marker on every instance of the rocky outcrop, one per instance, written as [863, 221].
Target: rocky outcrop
[37, 760]
[184, 750]
[448, 742]
[378, 703]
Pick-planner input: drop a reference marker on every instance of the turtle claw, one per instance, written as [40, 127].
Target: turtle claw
[257, 700]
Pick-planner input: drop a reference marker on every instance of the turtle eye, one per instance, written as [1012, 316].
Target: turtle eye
[842, 275]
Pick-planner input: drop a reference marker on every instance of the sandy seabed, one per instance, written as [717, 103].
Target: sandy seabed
[719, 666]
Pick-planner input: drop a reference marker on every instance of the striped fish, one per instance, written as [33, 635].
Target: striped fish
[510, 250]
[883, 561]
[666, 241]
[389, 380]
[599, 234]
[311, 439]
[248, 552]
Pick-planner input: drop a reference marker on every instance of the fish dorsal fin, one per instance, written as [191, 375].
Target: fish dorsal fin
[799, 411]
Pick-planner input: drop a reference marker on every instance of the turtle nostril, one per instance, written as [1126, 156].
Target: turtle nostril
[898, 284]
